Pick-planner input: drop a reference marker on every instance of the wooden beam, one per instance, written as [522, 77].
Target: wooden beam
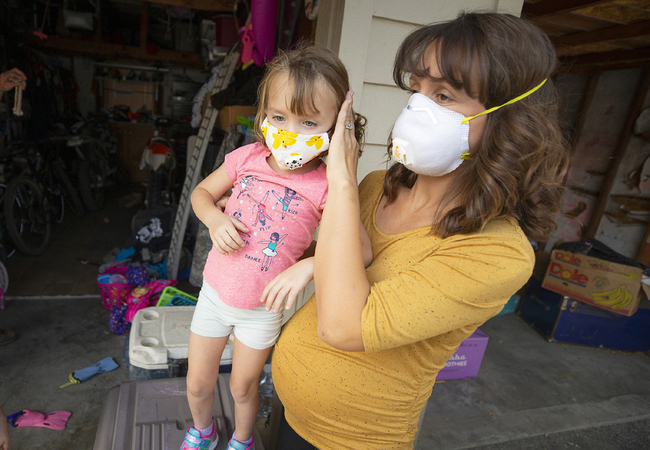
[616, 56]
[617, 154]
[554, 7]
[97, 49]
[202, 5]
[603, 34]
[585, 102]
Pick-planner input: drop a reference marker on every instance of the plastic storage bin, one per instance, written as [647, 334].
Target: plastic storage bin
[154, 414]
[158, 341]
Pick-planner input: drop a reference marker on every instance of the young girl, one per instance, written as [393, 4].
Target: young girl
[279, 190]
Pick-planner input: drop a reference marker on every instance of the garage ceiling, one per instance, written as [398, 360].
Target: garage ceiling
[595, 35]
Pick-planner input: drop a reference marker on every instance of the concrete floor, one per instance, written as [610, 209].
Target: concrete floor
[530, 394]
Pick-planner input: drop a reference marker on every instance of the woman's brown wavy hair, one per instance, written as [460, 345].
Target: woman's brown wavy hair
[521, 161]
[305, 66]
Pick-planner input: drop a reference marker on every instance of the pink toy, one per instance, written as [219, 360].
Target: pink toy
[264, 22]
[55, 420]
[142, 297]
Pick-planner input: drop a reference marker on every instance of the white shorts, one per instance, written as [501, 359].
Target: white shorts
[255, 328]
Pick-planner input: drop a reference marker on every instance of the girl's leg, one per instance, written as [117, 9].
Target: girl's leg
[247, 365]
[203, 358]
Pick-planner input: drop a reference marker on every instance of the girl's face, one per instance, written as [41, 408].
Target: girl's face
[445, 95]
[279, 113]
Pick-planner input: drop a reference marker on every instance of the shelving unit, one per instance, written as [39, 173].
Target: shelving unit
[94, 46]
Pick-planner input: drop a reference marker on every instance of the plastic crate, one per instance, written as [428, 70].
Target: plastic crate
[173, 297]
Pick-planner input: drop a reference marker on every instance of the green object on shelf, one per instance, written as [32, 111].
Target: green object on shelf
[173, 297]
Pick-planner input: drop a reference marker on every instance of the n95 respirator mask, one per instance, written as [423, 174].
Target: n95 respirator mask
[432, 140]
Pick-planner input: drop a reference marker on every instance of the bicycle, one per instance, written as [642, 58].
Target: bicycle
[24, 213]
[94, 144]
[37, 195]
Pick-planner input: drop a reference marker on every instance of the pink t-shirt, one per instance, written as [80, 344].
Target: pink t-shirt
[281, 212]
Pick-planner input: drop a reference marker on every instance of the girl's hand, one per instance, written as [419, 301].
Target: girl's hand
[288, 284]
[221, 203]
[343, 155]
[224, 232]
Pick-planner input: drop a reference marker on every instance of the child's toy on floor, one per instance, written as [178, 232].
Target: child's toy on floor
[79, 376]
[114, 285]
[144, 296]
[55, 420]
[174, 297]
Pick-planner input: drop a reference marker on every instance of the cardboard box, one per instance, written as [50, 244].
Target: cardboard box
[562, 319]
[466, 362]
[134, 94]
[607, 285]
[228, 115]
[132, 138]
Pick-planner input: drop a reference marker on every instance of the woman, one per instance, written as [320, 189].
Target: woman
[481, 163]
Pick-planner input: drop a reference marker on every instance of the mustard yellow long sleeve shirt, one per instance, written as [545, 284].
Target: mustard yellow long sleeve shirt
[427, 295]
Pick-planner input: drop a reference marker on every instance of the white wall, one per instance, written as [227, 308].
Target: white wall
[366, 35]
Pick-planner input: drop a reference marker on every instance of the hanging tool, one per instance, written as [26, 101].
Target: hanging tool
[40, 33]
[195, 161]
[18, 96]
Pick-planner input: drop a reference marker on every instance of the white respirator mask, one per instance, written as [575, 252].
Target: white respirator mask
[432, 140]
[293, 150]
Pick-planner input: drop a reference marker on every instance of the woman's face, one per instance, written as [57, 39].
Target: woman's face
[445, 95]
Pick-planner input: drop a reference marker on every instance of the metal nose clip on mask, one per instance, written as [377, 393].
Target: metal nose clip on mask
[432, 140]
[293, 150]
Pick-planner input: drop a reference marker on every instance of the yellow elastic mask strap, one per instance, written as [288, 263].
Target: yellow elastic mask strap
[488, 111]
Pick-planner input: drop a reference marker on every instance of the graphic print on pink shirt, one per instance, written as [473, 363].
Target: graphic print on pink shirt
[289, 195]
[281, 212]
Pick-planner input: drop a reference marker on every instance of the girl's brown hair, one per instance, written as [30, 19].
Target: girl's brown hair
[305, 66]
[521, 161]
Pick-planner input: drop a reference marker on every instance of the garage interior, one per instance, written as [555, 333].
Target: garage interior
[135, 61]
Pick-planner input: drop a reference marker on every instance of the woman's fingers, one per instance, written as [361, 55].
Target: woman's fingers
[345, 113]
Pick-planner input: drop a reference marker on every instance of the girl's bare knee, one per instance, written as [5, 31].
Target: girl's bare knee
[199, 388]
[241, 390]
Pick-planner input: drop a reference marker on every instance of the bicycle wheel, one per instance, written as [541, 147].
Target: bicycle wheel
[92, 176]
[28, 222]
[67, 189]
[157, 189]
[56, 206]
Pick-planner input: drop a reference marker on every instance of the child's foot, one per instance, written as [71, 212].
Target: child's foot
[194, 441]
[234, 444]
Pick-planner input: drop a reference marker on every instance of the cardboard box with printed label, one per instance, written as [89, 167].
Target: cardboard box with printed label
[228, 115]
[466, 362]
[611, 286]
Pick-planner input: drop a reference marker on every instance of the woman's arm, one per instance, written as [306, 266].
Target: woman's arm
[224, 230]
[339, 271]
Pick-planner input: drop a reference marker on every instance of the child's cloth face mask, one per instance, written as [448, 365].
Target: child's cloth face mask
[432, 140]
[293, 150]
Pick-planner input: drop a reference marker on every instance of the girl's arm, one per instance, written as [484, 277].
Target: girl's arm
[291, 281]
[223, 228]
[342, 287]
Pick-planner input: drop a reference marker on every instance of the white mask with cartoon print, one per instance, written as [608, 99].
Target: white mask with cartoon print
[293, 150]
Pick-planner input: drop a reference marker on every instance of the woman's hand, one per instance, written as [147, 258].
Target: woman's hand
[288, 284]
[343, 154]
[224, 232]
[6, 83]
